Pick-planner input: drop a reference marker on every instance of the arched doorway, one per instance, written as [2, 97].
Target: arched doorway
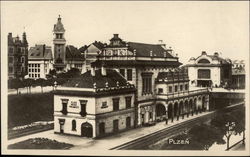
[187, 107]
[160, 112]
[203, 104]
[195, 106]
[181, 108]
[86, 130]
[170, 109]
[176, 114]
[191, 106]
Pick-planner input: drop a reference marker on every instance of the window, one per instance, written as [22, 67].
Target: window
[22, 60]
[38, 75]
[64, 106]
[129, 74]
[128, 101]
[170, 90]
[186, 86]
[73, 125]
[104, 104]
[38, 70]
[128, 122]
[10, 69]
[122, 72]
[175, 88]
[35, 75]
[83, 104]
[203, 61]
[102, 128]
[10, 59]
[160, 90]
[29, 75]
[11, 50]
[147, 83]
[29, 70]
[181, 87]
[116, 104]
[204, 73]
[115, 125]
[35, 70]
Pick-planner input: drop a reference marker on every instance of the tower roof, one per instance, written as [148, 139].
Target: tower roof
[58, 27]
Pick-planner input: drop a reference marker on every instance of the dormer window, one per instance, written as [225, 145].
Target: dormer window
[204, 61]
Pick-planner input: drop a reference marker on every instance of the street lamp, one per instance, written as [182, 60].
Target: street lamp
[55, 85]
[230, 130]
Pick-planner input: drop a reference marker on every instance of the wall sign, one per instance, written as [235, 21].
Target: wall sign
[73, 104]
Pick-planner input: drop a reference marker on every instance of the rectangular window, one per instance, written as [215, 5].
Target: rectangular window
[38, 75]
[38, 70]
[129, 74]
[10, 59]
[35, 75]
[10, 69]
[116, 104]
[160, 90]
[122, 72]
[11, 50]
[83, 111]
[175, 88]
[204, 73]
[181, 87]
[64, 106]
[128, 101]
[186, 86]
[147, 83]
[104, 104]
[35, 70]
[170, 90]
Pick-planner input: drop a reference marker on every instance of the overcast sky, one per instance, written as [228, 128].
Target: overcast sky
[188, 27]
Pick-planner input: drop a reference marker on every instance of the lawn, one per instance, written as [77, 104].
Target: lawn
[40, 143]
[27, 108]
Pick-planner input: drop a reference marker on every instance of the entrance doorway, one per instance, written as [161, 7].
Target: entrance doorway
[204, 83]
[115, 125]
[160, 112]
[86, 130]
[128, 122]
[170, 108]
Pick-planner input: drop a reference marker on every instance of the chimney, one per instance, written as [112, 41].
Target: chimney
[92, 70]
[162, 44]
[216, 54]
[203, 53]
[116, 35]
[103, 71]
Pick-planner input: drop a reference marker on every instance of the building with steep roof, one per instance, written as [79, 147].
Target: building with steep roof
[98, 103]
[209, 70]
[17, 56]
[40, 61]
[145, 65]
[91, 52]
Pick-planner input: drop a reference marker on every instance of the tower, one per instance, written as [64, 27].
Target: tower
[59, 45]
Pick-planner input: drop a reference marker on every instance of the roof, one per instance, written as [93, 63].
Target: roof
[177, 73]
[40, 52]
[238, 71]
[86, 80]
[220, 59]
[109, 63]
[58, 27]
[72, 53]
[98, 44]
[145, 50]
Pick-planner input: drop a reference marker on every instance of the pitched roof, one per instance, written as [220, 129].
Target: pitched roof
[40, 52]
[177, 73]
[72, 53]
[98, 44]
[86, 80]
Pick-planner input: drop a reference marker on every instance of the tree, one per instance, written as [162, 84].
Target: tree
[41, 82]
[205, 135]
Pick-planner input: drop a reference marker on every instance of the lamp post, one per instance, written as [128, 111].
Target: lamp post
[230, 130]
[55, 85]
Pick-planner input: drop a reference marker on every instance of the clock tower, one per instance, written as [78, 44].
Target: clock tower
[59, 42]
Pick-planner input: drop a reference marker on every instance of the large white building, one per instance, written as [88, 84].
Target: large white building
[98, 103]
[40, 61]
[209, 70]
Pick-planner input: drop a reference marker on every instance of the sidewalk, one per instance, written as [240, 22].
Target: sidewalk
[106, 142]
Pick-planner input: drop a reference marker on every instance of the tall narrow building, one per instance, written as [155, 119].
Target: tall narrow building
[59, 44]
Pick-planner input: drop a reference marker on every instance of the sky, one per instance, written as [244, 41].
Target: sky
[189, 27]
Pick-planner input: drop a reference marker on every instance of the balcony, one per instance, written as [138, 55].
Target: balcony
[181, 94]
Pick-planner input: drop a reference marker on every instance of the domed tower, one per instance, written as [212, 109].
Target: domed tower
[59, 45]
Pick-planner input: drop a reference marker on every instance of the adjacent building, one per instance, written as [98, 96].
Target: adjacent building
[209, 70]
[17, 56]
[40, 61]
[98, 103]
[238, 74]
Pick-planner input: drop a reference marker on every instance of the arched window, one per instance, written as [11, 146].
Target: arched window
[203, 61]
[73, 125]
